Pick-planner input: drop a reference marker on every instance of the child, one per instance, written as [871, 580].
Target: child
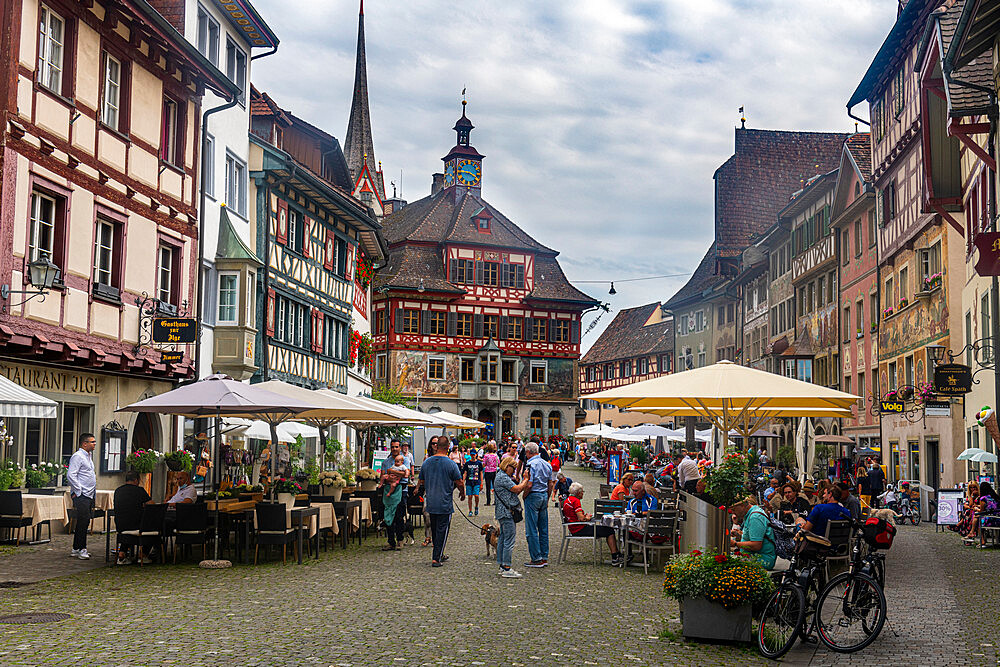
[397, 472]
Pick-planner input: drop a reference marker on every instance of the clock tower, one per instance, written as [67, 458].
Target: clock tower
[463, 165]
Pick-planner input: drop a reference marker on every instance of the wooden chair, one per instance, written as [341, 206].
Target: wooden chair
[604, 506]
[660, 534]
[606, 489]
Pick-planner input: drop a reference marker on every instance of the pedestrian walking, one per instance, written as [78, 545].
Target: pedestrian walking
[472, 471]
[440, 476]
[536, 511]
[507, 502]
[876, 482]
[83, 489]
[491, 464]
[394, 513]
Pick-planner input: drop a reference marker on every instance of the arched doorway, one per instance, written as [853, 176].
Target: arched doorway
[535, 423]
[467, 413]
[506, 422]
[143, 433]
[488, 417]
[555, 423]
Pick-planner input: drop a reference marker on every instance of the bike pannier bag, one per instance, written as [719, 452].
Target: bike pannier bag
[879, 533]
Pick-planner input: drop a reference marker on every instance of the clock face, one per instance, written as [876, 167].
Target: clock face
[449, 174]
[469, 172]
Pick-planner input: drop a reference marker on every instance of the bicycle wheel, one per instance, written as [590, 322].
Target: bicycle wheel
[850, 612]
[781, 621]
[915, 516]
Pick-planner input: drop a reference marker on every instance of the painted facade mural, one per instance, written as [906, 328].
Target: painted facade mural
[914, 327]
[560, 381]
[411, 373]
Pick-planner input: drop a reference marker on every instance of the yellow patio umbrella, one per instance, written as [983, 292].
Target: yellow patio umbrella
[730, 396]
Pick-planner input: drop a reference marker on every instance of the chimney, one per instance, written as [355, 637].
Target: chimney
[437, 184]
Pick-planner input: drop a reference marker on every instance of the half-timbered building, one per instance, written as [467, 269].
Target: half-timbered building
[99, 178]
[473, 315]
[917, 175]
[638, 345]
[309, 230]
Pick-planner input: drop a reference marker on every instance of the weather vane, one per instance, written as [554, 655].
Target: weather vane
[743, 119]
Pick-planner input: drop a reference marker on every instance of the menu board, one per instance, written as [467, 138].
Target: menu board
[949, 506]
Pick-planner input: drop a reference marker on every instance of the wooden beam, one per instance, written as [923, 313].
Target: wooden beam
[964, 131]
[947, 216]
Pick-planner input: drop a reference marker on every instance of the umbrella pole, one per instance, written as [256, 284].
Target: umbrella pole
[274, 457]
[215, 563]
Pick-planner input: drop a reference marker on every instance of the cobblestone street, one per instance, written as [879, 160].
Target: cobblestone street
[366, 607]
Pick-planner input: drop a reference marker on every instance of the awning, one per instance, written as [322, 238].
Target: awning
[16, 402]
[835, 439]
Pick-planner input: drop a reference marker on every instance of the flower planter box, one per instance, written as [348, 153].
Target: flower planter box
[701, 619]
[369, 484]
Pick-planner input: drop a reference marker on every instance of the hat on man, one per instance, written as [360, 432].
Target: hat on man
[808, 486]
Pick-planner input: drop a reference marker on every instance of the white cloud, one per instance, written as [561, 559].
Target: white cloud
[602, 121]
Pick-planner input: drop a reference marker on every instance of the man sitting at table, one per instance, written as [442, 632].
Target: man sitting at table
[573, 512]
[129, 499]
[561, 490]
[641, 502]
[186, 493]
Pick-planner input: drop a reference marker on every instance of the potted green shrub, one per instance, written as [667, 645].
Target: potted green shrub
[40, 475]
[11, 475]
[716, 593]
[180, 460]
[143, 461]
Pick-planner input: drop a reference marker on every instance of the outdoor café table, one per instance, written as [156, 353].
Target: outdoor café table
[352, 512]
[239, 513]
[298, 513]
[103, 500]
[622, 524]
[42, 508]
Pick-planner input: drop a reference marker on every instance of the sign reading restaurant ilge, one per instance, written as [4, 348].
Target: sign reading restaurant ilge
[174, 329]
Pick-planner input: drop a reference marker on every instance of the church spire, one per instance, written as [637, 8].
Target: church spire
[358, 142]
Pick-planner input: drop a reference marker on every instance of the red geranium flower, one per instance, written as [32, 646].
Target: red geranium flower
[720, 558]
[695, 553]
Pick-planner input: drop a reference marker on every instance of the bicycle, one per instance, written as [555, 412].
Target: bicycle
[783, 618]
[908, 511]
[851, 610]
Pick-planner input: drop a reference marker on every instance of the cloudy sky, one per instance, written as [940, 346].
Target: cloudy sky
[602, 122]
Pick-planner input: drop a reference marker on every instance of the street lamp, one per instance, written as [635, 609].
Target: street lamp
[42, 274]
[936, 353]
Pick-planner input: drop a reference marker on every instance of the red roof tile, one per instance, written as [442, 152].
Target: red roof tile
[859, 145]
[628, 336]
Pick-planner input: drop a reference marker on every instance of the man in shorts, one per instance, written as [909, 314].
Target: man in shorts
[472, 472]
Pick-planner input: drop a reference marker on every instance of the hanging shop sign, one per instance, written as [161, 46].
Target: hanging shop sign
[937, 409]
[952, 379]
[171, 357]
[988, 244]
[893, 406]
[174, 329]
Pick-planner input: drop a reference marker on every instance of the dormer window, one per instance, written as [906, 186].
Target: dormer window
[482, 220]
[483, 224]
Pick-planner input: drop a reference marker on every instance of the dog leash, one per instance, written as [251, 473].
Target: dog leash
[460, 511]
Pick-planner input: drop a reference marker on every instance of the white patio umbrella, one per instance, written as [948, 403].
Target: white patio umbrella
[969, 453]
[594, 431]
[458, 420]
[261, 430]
[983, 457]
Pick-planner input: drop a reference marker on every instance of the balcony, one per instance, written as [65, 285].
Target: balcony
[487, 391]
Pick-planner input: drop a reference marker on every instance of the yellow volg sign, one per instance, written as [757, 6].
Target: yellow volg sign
[892, 406]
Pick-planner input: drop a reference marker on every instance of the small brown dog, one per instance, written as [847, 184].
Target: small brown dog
[489, 534]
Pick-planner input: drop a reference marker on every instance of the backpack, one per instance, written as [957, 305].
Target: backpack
[878, 533]
[781, 537]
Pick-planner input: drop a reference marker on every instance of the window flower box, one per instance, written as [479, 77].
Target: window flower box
[903, 303]
[887, 312]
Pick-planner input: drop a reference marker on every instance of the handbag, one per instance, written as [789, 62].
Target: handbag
[515, 512]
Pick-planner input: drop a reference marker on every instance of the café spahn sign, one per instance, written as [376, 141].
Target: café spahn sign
[952, 379]
[174, 329]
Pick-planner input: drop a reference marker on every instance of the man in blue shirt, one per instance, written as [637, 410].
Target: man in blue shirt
[536, 514]
[441, 477]
[640, 502]
[829, 510]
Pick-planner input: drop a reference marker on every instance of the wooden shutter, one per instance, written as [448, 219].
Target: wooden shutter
[328, 250]
[477, 326]
[269, 324]
[479, 272]
[345, 341]
[519, 276]
[341, 257]
[502, 267]
[398, 324]
[452, 329]
[306, 235]
[529, 329]
[551, 330]
[281, 235]
[453, 270]
[425, 322]
[574, 332]
[502, 328]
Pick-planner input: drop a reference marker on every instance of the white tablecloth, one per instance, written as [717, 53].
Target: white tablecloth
[43, 508]
[104, 500]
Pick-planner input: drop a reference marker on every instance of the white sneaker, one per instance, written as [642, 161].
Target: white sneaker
[146, 560]
[510, 574]
[75, 553]
[83, 555]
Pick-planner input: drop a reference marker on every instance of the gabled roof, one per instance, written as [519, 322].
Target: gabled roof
[438, 218]
[814, 189]
[410, 267]
[963, 100]
[859, 146]
[551, 284]
[975, 33]
[261, 104]
[629, 336]
[703, 278]
[753, 185]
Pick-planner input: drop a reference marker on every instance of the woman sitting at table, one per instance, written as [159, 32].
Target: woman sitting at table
[621, 491]
[573, 513]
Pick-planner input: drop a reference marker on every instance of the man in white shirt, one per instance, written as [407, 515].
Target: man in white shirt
[688, 473]
[83, 488]
[186, 493]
